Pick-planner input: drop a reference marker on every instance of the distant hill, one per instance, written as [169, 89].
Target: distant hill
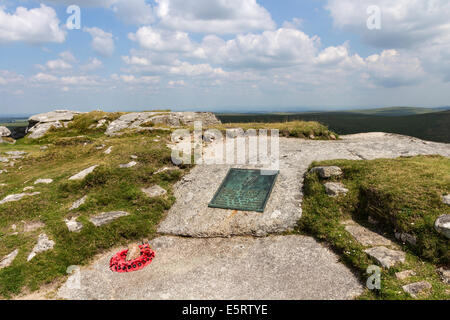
[398, 111]
[432, 126]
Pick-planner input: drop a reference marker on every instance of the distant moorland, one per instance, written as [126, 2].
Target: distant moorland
[421, 123]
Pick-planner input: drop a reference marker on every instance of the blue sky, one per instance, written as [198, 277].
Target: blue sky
[223, 55]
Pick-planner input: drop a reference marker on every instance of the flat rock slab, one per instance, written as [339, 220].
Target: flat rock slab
[276, 267]
[366, 237]
[405, 274]
[191, 216]
[128, 165]
[107, 217]
[417, 288]
[73, 225]
[43, 244]
[83, 174]
[154, 191]
[328, 172]
[386, 257]
[7, 260]
[78, 203]
[43, 181]
[17, 197]
[335, 189]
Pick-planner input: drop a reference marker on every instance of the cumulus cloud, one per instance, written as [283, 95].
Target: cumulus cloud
[282, 47]
[214, 16]
[404, 23]
[8, 77]
[391, 69]
[102, 42]
[161, 40]
[58, 64]
[33, 26]
[93, 64]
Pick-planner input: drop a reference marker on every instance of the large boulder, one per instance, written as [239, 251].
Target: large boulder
[442, 225]
[40, 124]
[4, 132]
[169, 119]
[53, 116]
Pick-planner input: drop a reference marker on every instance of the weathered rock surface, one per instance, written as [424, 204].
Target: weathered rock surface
[73, 225]
[53, 116]
[335, 189]
[128, 165]
[386, 257]
[16, 153]
[107, 217]
[191, 216]
[83, 174]
[43, 244]
[78, 203]
[445, 275]
[417, 288]
[4, 132]
[405, 274]
[40, 124]
[366, 237]
[43, 181]
[8, 259]
[170, 119]
[4, 160]
[276, 267]
[40, 129]
[328, 172]
[406, 238]
[442, 225]
[446, 199]
[17, 197]
[108, 151]
[154, 191]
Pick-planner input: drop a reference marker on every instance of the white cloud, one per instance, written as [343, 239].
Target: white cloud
[391, 69]
[193, 70]
[132, 79]
[102, 42]
[161, 40]
[8, 77]
[93, 64]
[282, 47]
[404, 23]
[84, 3]
[44, 78]
[58, 64]
[68, 56]
[214, 16]
[134, 11]
[33, 26]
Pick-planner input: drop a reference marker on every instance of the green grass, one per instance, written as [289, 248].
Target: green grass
[298, 129]
[108, 188]
[404, 194]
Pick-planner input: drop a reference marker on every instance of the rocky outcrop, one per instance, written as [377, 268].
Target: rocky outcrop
[7, 260]
[43, 244]
[137, 120]
[17, 197]
[107, 217]
[40, 124]
[154, 191]
[335, 189]
[417, 288]
[442, 225]
[83, 174]
[4, 132]
[328, 172]
[386, 257]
